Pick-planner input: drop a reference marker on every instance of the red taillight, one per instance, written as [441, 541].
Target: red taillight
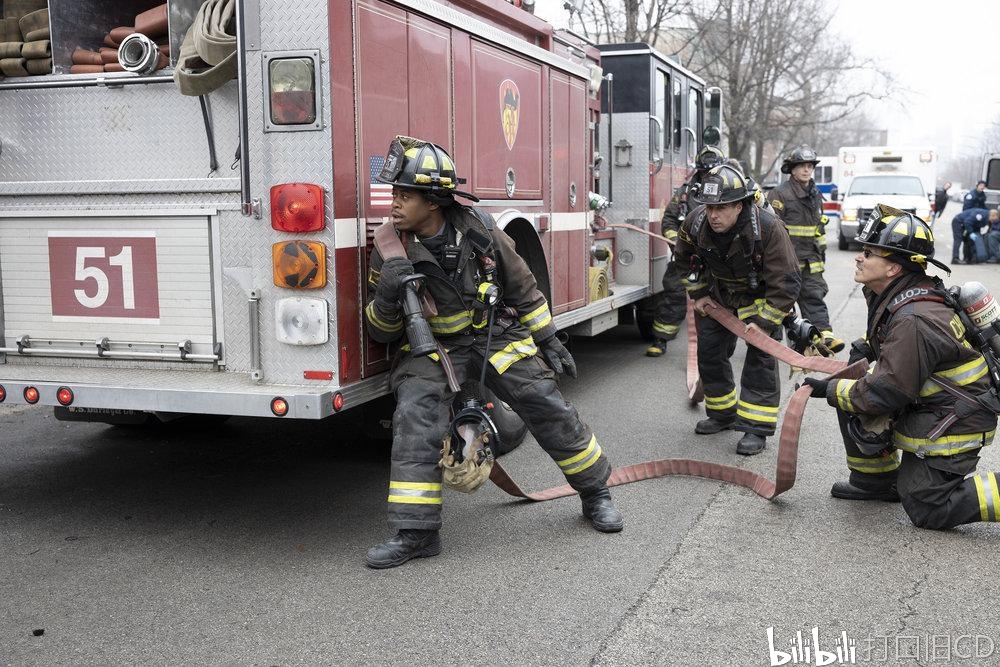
[279, 406]
[297, 207]
[3, 393]
[64, 395]
[30, 395]
[338, 402]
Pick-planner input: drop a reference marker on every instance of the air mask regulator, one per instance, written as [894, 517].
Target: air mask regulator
[472, 424]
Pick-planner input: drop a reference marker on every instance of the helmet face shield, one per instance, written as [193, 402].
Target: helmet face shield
[708, 157]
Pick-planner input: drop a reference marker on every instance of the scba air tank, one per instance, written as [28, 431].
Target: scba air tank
[983, 310]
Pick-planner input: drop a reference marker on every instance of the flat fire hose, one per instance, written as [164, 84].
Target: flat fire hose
[788, 443]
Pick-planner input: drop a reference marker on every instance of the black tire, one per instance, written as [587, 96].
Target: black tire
[644, 314]
[511, 427]
[842, 243]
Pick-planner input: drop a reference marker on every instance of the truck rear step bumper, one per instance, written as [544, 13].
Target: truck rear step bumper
[178, 391]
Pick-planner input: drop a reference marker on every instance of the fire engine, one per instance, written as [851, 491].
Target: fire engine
[167, 254]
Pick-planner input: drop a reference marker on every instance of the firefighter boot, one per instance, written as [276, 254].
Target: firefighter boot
[848, 491]
[751, 444]
[713, 425]
[600, 509]
[832, 342]
[403, 546]
[657, 347]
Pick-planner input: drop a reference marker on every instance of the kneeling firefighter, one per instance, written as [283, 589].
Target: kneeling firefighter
[467, 265]
[931, 393]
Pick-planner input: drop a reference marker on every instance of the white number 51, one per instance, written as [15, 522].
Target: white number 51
[84, 272]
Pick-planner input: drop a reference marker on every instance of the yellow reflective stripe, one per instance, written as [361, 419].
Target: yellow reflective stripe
[721, 402]
[415, 493]
[668, 329]
[670, 234]
[943, 446]
[416, 486]
[537, 318]
[801, 230]
[451, 323]
[771, 314]
[746, 312]
[757, 413]
[961, 375]
[843, 391]
[879, 465]
[583, 460]
[378, 322]
[989, 495]
[816, 267]
[415, 500]
[693, 287]
[519, 349]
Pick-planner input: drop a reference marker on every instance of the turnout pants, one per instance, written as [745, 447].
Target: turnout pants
[671, 304]
[756, 409]
[936, 491]
[811, 300]
[423, 403]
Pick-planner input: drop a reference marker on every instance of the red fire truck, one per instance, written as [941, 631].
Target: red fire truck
[142, 274]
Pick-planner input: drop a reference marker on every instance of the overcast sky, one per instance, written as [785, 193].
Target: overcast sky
[944, 53]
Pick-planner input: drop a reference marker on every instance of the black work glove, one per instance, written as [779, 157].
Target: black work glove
[557, 357]
[818, 387]
[390, 280]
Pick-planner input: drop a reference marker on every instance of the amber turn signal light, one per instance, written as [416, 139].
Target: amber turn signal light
[297, 207]
[299, 264]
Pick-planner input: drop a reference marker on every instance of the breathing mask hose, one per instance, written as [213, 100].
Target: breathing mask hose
[486, 353]
[418, 332]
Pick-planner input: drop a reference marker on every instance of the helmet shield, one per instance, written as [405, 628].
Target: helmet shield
[903, 234]
[414, 163]
[708, 157]
[721, 185]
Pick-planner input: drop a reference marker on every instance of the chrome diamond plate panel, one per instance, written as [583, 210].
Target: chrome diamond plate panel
[103, 139]
[631, 193]
[284, 157]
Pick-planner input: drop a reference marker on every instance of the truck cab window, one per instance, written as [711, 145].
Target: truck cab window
[662, 108]
[678, 106]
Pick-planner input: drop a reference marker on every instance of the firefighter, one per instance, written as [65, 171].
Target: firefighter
[913, 334]
[671, 307]
[464, 255]
[739, 255]
[799, 204]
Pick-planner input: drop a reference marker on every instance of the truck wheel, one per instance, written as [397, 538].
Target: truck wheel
[842, 242]
[511, 427]
[644, 314]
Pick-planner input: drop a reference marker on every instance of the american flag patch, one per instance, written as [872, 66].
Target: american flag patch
[379, 194]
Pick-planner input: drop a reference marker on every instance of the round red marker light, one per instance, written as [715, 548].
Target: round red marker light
[3, 393]
[338, 402]
[64, 395]
[31, 395]
[279, 406]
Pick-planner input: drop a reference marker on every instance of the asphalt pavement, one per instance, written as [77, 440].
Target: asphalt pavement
[243, 542]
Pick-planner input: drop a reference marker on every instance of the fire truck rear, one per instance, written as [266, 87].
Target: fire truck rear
[172, 254]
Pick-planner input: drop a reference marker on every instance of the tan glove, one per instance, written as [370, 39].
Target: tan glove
[473, 471]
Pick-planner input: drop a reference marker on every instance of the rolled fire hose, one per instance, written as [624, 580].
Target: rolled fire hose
[208, 54]
[788, 442]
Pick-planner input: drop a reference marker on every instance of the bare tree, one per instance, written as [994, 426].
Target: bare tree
[782, 72]
[606, 21]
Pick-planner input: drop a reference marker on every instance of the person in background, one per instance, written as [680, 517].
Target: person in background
[941, 199]
[993, 237]
[975, 198]
[966, 230]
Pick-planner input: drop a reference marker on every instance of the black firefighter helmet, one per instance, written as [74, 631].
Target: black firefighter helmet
[722, 185]
[708, 157]
[801, 155]
[421, 165]
[908, 238]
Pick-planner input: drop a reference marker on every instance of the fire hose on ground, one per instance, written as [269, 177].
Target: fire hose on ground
[788, 443]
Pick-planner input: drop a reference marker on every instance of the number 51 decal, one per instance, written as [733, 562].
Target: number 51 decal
[103, 274]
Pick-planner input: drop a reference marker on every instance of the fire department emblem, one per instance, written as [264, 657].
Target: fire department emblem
[510, 109]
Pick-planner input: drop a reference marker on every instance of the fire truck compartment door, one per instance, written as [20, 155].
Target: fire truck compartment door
[139, 279]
